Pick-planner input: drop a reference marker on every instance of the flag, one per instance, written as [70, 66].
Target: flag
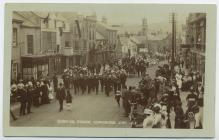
[46, 19]
[78, 26]
[61, 31]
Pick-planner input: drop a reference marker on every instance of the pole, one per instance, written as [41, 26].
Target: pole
[173, 43]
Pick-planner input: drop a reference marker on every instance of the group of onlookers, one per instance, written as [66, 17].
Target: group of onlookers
[30, 92]
[157, 103]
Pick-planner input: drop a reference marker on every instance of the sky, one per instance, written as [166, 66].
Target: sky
[131, 14]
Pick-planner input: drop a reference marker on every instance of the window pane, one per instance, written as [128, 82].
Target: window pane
[39, 67]
[30, 44]
[25, 70]
[29, 71]
[67, 44]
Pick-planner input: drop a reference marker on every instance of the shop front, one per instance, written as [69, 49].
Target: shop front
[34, 66]
[42, 65]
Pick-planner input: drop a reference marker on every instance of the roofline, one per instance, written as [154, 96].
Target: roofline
[111, 29]
[17, 20]
[37, 15]
[26, 18]
[30, 26]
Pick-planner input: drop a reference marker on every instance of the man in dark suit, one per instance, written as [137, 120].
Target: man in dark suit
[60, 95]
[21, 92]
[30, 92]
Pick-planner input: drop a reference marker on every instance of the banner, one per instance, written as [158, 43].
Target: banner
[78, 26]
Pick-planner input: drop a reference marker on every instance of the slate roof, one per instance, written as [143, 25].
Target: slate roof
[25, 18]
[99, 36]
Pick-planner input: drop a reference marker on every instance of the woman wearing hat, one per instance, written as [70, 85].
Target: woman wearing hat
[148, 121]
[157, 116]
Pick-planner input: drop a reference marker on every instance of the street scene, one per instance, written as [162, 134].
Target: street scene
[101, 69]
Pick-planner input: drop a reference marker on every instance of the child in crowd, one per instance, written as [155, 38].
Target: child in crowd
[69, 100]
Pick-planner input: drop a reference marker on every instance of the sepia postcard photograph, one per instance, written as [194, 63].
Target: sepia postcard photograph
[109, 70]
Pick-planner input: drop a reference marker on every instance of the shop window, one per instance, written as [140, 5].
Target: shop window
[27, 73]
[30, 44]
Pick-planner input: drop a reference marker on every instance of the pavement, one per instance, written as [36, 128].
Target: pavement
[89, 110]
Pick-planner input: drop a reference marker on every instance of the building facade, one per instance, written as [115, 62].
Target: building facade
[110, 44]
[39, 37]
[82, 38]
[128, 48]
[196, 42]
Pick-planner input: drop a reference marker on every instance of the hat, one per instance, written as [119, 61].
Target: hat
[20, 86]
[164, 108]
[37, 83]
[157, 106]
[30, 83]
[148, 112]
[165, 94]
[173, 88]
[117, 91]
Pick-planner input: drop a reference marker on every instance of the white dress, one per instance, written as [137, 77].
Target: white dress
[179, 80]
[148, 122]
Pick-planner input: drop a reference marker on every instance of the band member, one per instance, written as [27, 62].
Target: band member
[96, 83]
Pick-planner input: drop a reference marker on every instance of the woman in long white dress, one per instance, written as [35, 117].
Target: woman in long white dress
[179, 80]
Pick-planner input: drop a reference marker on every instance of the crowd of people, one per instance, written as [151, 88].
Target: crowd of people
[155, 102]
[149, 105]
[30, 92]
[135, 65]
[82, 80]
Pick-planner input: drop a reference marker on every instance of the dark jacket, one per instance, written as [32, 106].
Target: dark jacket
[22, 94]
[55, 81]
[68, 98]
[60, 95]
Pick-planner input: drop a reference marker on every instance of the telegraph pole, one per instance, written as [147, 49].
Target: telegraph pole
[173, 44]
